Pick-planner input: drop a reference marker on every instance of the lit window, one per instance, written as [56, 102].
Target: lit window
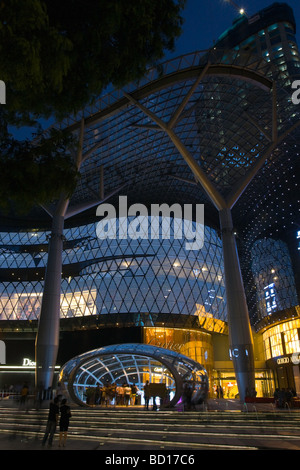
[270, 297]
[272, 27]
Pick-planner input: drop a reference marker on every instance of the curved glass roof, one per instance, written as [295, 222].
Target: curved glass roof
[220, 107]
[131, 363]
[213, 122]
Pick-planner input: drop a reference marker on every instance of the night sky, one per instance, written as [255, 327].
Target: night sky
[206, 20]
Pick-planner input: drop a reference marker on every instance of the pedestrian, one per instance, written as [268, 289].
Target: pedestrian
[147, 394]
[134, 391]
[281, 398]
[127, 392]
[65, 415]
[24, 396]
[121, 392]
[187, 393]
[51, 423]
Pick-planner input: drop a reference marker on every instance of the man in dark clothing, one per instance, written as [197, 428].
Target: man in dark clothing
[65, 415]
[147, 394]
[51, 423]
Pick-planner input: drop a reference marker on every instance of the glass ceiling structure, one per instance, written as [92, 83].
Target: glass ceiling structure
[218, 105]
[198, 130]
[226, 115]
[132, 364]
[222, 114]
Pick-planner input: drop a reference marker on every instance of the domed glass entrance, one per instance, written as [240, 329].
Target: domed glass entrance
[133, 364]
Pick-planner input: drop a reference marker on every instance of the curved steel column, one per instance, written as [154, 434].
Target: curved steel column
[240, 334]
[47, 340]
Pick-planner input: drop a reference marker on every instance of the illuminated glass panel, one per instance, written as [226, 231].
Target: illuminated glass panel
[282, 338]
[116, 276]
[273, 276]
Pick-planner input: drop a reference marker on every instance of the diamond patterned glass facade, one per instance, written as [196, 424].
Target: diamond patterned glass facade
[112, 276]
[273, 276]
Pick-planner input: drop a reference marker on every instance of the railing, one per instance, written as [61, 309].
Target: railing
[8, 394]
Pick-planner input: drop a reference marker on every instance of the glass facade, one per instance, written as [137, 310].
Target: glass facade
[282, 339]
[273, 276]
[110, 276]
[264, 384]
[192, 343]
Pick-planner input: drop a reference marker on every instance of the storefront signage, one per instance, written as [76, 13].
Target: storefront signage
[28, 362]
[294, 359]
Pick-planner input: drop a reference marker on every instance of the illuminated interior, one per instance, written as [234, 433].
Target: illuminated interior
[132, 364]
[282, 339]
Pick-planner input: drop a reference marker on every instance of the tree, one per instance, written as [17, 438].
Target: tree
[55, 58]
[36, 174]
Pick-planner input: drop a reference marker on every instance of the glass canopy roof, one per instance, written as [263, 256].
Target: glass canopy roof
[221, 107]
[224, 115]
[132, 364]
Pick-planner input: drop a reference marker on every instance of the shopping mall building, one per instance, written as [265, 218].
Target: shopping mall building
[216, 130]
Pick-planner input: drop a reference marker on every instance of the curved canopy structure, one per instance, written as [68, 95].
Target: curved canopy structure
[214, 116]
[132, 364]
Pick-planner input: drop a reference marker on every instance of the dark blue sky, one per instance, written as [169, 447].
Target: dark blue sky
[205, 20]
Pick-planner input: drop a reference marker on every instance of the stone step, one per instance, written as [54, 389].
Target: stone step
[165, 429]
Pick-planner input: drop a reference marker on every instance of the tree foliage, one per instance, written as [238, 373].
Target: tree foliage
[57, 56]
[36, 173]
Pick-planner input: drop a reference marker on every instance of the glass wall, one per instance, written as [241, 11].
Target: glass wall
[273, 276]
[114, 276]
[194, 344]
[264, 384]
[282, 339]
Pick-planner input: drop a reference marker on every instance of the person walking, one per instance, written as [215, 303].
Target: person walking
[51, 423]
[147, 394]
[134, 391]
[65, 415]
[121, 392]
[127, 392]
[24, 396]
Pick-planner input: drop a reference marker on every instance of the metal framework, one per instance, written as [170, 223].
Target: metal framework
[199, 129]
[132, 364]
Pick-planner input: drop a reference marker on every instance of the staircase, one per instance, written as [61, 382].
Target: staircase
[131, 428]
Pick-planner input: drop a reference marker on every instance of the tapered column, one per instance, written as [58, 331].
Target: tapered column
[240, 334]
[47, 340]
